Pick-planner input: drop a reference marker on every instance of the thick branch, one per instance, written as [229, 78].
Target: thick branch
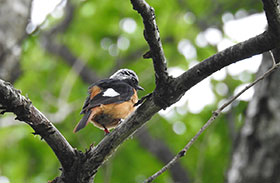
[12, 101]
[151, 34]
[272, 15]
[259, 44]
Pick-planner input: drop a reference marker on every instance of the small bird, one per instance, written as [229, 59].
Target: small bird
[110, 100]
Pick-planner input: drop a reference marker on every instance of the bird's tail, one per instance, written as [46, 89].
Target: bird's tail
[84, 121]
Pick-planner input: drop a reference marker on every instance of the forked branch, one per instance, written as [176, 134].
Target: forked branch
[210, 121]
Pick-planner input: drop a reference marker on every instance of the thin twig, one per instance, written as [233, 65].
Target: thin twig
[273, 59]
[208, 123]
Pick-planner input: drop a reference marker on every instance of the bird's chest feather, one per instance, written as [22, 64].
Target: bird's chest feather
[110, 115]
[117, 111]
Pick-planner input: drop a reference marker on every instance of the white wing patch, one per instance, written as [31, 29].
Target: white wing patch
[110, 92]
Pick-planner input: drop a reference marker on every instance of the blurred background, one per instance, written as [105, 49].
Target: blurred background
[52, 50]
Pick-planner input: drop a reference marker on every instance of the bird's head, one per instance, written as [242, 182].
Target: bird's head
[128, 76]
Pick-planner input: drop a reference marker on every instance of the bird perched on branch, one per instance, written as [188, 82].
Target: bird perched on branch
[110, 100]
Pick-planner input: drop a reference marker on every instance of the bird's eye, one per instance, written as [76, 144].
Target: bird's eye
[134, 81]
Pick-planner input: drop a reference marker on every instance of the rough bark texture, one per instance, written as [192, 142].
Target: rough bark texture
[256, 153]
[12, 101]
[13, 19]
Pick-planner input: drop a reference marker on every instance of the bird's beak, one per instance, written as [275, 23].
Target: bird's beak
[139, 88]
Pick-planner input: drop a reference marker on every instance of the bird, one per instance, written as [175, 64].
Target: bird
[110, 100]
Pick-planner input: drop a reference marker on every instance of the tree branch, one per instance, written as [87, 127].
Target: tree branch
[259, 44]
[151, 34]
[272, 15]
[12, 101]
[208, 123]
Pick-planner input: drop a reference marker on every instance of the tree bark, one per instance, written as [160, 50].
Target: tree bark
[256, 153]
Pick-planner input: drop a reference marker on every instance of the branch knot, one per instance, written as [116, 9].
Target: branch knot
[166, 93]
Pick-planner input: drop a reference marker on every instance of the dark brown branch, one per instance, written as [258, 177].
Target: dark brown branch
[12, 101]
[151, 34]
[259, 44]
[272, 15]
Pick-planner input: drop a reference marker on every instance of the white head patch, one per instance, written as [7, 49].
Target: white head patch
[124, 74]
[110, 92]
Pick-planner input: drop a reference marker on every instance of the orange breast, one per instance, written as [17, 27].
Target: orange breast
[115, 112]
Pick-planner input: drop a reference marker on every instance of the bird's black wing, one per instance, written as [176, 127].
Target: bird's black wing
[119, 92]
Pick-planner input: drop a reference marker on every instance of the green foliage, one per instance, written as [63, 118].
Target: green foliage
[93, 37]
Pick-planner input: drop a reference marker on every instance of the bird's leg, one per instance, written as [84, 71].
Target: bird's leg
[106, 130]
